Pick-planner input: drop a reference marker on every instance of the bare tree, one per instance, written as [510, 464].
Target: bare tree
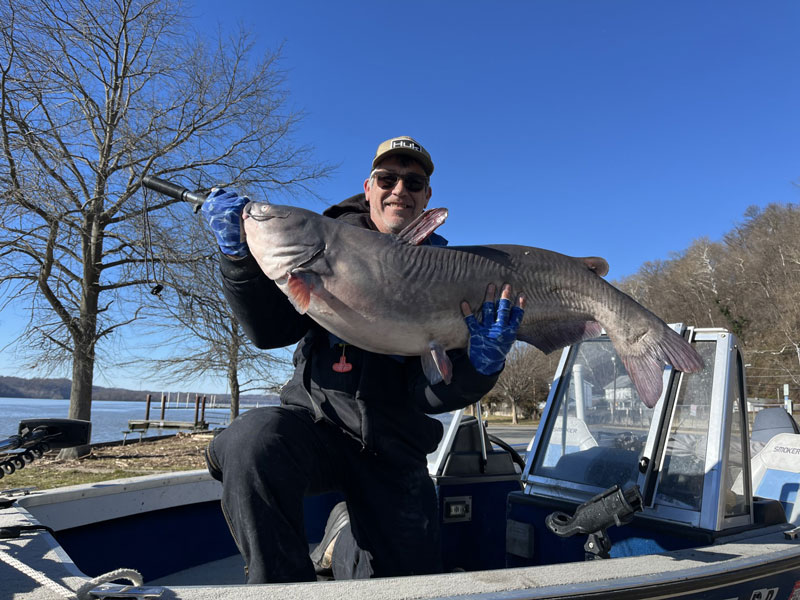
[524, 382]
[748, 283]
[211, 341]
[767, 251]
[689, 288]
[94, 96]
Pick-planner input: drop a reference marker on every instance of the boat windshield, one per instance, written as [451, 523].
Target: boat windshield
[683, 471]
[596, 433]
[606, 423]
[450, 420]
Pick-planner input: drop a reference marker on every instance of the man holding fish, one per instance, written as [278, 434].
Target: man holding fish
[350, 420]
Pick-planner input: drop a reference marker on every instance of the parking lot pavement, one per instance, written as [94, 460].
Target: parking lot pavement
[513, 434]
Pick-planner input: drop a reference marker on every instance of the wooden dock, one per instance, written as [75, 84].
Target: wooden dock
[135, 424]
[141, 426]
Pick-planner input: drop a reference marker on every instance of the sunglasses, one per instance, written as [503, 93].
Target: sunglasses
[412, 181]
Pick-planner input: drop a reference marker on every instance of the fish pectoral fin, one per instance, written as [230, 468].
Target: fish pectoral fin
[548, 336]
[299, 292]
[436, 365]
[423, 226]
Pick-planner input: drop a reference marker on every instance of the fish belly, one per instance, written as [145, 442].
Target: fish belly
[404, 331]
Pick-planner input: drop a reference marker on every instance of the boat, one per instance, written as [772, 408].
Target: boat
[609, 499]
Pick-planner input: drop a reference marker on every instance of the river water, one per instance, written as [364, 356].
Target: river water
[109, 418]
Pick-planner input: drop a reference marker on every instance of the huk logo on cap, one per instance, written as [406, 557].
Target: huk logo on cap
[406, 144]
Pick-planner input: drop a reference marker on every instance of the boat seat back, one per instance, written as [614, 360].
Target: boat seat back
[768, 423]
[576, 438]
[775, 471]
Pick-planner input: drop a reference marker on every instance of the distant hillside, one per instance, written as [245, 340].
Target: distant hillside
[18, 387]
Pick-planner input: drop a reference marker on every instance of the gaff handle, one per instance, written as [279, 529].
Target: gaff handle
[162, 186]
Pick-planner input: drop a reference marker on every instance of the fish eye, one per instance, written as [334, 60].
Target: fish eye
[262, 211]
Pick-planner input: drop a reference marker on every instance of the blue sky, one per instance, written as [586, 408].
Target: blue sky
[619, 128]
[625, 129]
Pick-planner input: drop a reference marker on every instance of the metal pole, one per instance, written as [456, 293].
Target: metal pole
[580, 406]
[482, 435]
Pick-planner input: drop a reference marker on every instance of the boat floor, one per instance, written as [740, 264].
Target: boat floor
[226, 571]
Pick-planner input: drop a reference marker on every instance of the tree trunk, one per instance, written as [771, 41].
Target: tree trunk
[233, 384]
[514, 420]
[80, 396]
[84, 339]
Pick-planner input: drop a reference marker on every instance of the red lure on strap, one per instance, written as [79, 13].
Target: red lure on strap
[342, 366]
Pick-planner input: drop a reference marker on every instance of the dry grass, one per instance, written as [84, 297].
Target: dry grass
[181, 452]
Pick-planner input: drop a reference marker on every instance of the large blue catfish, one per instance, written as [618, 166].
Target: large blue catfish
[388, 294]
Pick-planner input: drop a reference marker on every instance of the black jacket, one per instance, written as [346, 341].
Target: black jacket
[382, 401]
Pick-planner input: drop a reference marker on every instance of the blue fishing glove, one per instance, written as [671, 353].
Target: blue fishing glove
[491, 339]
[223, 211]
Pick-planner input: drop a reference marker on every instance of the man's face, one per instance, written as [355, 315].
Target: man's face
[393, 208]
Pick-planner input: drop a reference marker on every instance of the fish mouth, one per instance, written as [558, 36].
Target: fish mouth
[254, 210]
[263, 211]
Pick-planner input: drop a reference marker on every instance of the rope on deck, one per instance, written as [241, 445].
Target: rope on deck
[130, 574]
[82, 593]
[37, 576]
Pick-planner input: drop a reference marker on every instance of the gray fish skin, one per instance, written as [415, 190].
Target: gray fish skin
[382, 294]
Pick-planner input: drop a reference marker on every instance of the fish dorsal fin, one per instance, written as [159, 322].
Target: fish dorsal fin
[299, 292]
[423, 226]
[596, 264]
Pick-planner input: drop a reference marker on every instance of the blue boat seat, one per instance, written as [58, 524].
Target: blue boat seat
[775, 471]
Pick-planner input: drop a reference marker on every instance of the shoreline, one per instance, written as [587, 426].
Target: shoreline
[181, 451]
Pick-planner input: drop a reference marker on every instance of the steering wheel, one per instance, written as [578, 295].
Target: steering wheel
[627, 440]
[514, 454]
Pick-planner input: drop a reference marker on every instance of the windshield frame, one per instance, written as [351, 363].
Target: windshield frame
[724, 389]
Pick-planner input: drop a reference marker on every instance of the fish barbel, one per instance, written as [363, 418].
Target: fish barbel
[388, 294]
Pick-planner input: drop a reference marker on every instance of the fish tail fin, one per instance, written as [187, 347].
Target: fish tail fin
[653, 351]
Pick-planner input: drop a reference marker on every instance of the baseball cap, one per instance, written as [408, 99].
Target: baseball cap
[407, 146]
